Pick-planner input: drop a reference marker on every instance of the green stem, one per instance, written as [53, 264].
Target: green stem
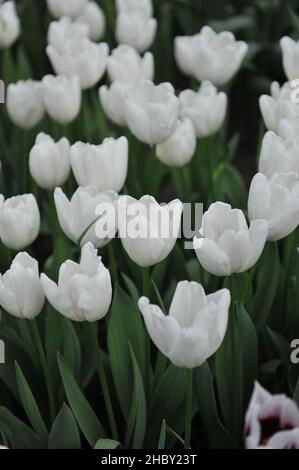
[24, 156]
[103, 379]
[112, 262]
[146, 282]
[45, 367]
[188, 408]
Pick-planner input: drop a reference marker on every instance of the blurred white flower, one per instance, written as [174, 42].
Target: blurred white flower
[10, 26]
[195, 327]
[276, 200]
[104, 166]
[62, 97]
[63, 30]
[113, 101]
[152, 111]
[148, 230]
[210, 56]
[49, 161]
[290, 57]
[93, 17]
[272, 421]
[136, 30]
[21, 293]
[179, 149]
[144, 7]
[278, 155]
[227, 245]
[126, 65]
[82, 57]
[19, 221]
[25, 103]
[78, 218]
[71, 8]
[206, 109]
[84, 290]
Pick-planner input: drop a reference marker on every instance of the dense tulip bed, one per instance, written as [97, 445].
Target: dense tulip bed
[129, 318]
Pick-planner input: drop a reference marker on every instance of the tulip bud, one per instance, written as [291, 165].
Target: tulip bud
[81, 57]
[195, 327]
[126, 65]
[19, 221]
[77, 217]
[206, 109]
[25, 104]
[71, 8]
[152, 112]
[104, 166]
[278, 155]
[49, 161]
[10, 27]
[179, 149]
[84, 290]
[21, 293]
[144, 7]
[290, 57]
[113, 101]
[277, 201]
[228, 246]
[62, 97]
[65, 29]
[272, 421]
[93, 17]
[136, 30]
[210, 56]
[148, 231]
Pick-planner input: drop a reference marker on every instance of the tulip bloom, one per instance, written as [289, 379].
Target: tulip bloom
[125, 65]
[71, 8]
[65, 29]
[84, 290]
[49, 161]
[179, 149]
[144, 7]
[272, 421]
[21, 293]
[152, 111]
[105, 166]
[148, 231]
[81, 57]
[195, 327]
[19, 221]
[77, 217]
[62, 96]
[136, 30]
[25, 104]
[276, 200]
[93, 17]
[210, 56]
[228, 246]
[113, 101]
[290, 57]
[10, 27]
[206, 109]
[278, 155]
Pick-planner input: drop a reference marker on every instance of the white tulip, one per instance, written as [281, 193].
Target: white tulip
[84, 290]
[71, 8]
[78, 218]
[113, 101]
[126, 65]
[152, 111]
[144, 7]
[62, 97]
[210, 56]
[228, 246]
[289, 127]
[195, 327]
[10, 27]
[93, 17]
[19, 221]
[290, 57]
[21, 293]
[148, 230]
[179, 149]
[277, 201]
[65, 29]
[206, 109]
[49, 161]
[82, 57]
[25, 104]
[278, 155]
[136, 30]
[105, 166]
